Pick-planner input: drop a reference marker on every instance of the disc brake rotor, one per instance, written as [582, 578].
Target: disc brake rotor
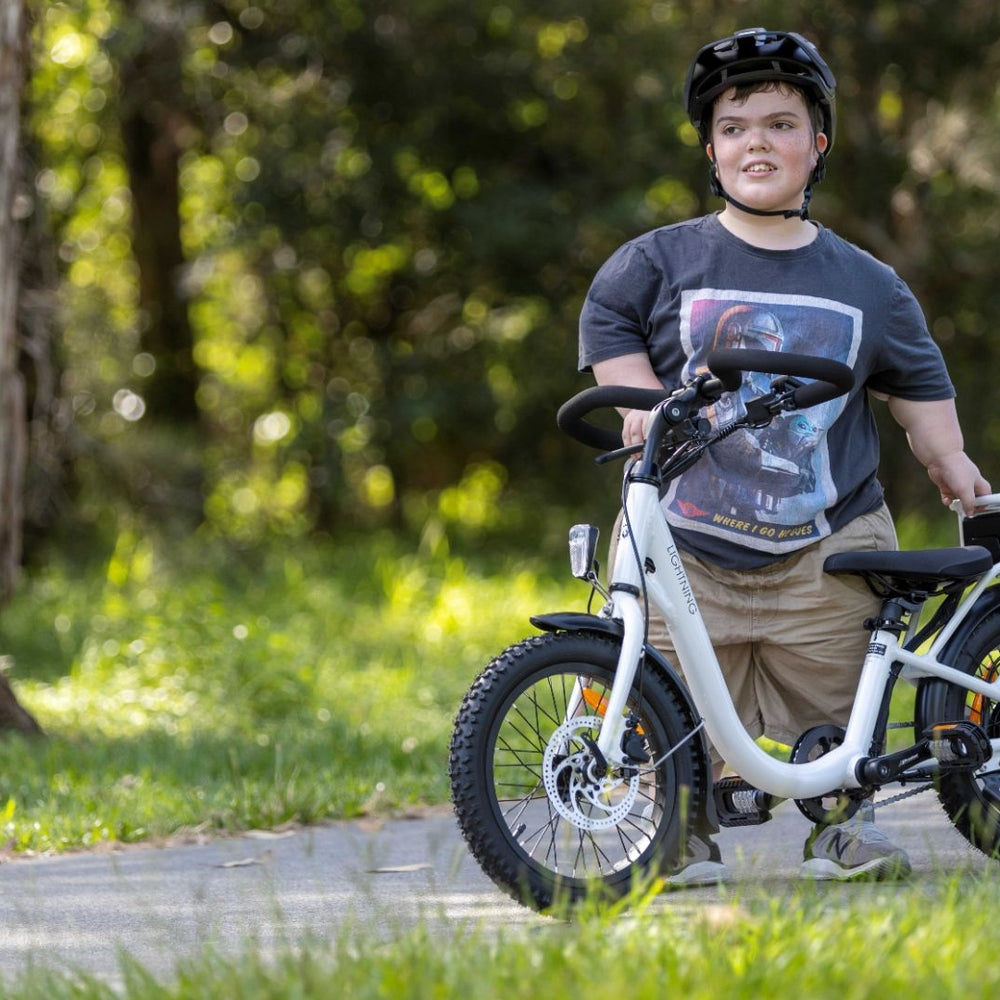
[588, 800]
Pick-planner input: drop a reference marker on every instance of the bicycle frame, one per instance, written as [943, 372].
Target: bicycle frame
[649, 562]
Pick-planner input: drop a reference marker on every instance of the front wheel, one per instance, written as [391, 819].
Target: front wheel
[970, 798]
[541, 819]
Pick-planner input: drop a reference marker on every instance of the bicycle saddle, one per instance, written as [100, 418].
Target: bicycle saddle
[897, 574]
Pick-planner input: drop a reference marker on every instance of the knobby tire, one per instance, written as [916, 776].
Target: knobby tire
[501, 732]
[971, 798]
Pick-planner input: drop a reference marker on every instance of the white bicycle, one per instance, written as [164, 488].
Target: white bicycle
[579, 757]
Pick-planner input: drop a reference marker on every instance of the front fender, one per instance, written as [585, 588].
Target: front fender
[575, 621]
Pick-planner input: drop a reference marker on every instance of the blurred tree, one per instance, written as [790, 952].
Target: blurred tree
[154, 119]
[13, 414]
[422, 195]
[371, 225]
[13, 407]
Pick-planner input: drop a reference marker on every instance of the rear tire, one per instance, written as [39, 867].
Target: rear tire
[499, 770]
[971, 799]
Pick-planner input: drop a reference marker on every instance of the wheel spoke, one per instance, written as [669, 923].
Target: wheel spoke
[516, 753]
[523, 803]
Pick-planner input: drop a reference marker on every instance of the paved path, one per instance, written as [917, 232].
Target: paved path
[160, 904]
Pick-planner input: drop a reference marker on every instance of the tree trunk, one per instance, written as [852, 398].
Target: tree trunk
[13, 405]
[153, 121]
[13, 416]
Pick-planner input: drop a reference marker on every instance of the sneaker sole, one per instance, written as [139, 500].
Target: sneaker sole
[700, 873]
[821, 870]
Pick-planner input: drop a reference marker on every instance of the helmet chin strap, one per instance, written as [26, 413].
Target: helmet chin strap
[791, 213]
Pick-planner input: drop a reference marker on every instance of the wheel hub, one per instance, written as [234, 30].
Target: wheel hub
[581, 789]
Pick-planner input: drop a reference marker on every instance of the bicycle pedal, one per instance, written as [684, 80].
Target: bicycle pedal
[738, 803]
[958, 745]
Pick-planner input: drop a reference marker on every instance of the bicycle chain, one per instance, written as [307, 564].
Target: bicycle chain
[903, 795]
[913, 791]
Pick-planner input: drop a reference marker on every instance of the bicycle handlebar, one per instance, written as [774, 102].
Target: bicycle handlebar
[727, 365]
[570, 417]
[833, 378]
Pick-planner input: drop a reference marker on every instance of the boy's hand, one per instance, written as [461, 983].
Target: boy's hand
[634, 370]
[634, 427]
[936, 439]
[958, 478]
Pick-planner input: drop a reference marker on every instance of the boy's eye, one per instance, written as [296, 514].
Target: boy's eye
[781, 126]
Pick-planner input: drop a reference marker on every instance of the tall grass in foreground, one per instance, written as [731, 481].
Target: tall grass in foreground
[926, 939]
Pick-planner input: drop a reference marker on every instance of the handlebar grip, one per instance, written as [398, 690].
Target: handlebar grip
[571, 413]
[815, 393]
[832, 378]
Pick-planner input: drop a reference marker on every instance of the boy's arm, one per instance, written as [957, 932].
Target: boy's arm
[636, 371]
[935, 438]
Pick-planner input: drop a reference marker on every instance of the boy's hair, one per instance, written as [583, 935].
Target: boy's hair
[741, 94]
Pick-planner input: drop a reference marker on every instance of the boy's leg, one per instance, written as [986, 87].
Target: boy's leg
[791, 643]
[809, 635]
[702, 862]
[726, 610]
[807, 667]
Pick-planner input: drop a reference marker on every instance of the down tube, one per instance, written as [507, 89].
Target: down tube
[671, 592]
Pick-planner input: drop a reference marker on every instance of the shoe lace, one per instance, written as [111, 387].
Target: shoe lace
[867, 832]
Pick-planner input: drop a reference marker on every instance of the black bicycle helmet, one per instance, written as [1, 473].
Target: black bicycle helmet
[756, 55]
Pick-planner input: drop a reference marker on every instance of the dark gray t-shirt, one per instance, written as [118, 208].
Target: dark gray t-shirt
[678, 292]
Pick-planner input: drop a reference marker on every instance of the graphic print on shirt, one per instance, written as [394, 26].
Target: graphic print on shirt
[764, 489]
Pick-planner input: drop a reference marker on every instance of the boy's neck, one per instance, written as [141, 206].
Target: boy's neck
[768, 233]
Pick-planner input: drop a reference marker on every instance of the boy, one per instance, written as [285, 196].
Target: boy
[757, 518]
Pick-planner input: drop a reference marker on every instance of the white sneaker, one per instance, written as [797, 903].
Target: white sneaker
[853, 850]
[702, 864]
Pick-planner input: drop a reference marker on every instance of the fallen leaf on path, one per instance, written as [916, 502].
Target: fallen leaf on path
[246, 862]
[393, 869]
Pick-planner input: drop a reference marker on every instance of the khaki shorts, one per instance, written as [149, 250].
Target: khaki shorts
[789, 637]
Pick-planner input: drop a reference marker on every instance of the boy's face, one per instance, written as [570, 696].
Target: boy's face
[764, 147]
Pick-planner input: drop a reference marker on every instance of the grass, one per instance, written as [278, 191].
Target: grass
[187, 684]
[849, 942]
[190, 685]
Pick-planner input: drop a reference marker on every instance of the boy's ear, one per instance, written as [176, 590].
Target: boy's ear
[822, 142]
[711, 158]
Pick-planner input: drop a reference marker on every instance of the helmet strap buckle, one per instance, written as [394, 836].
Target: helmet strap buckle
[715, 186]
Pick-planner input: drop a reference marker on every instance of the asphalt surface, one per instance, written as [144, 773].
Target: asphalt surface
[161, 905]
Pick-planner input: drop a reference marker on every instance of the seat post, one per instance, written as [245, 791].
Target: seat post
[896, 613]
[895, 616]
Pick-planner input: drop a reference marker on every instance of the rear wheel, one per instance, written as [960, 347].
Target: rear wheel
[542, 818]
[970, 798]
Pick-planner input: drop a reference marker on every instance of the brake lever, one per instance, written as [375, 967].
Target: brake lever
[613, 456]
[762, 410]
[779, 383]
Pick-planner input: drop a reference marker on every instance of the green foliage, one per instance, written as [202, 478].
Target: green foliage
[190, 685]
[389, 215]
